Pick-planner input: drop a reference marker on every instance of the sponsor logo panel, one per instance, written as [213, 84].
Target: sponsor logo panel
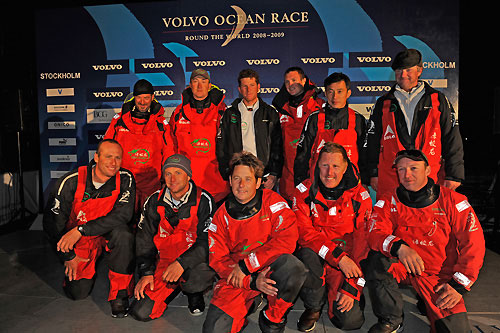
[101, 116]
[62, 141]
[69, 124]
[57, 92]
[95, 137]
[62, 158]
[60, 108]
[369, 59]
[56, 174]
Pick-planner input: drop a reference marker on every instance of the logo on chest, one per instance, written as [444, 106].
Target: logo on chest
[140, 156]
[389, 133]
[201, 145]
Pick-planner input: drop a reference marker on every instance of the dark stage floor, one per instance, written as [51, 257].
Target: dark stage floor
[32, 300]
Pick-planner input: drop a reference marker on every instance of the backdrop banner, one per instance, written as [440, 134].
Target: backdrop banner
[88, 58]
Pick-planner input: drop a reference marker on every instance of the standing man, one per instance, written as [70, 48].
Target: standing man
[194, 127]
[336, 122]
[143, 132]
[251, 125]
[89, 210]
[251, 240]
[428, 236]
[172, 243]
[296, 100]
[332, 209]
[413, 116]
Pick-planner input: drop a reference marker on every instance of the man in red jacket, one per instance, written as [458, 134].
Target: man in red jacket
[89, 211]
[296, 100]
[171, 243]
[428, 236]
[251, 239]
[331, 211]
[413, 115]
[143, 132]
[194, 126]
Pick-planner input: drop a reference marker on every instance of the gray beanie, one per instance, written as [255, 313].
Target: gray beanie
[178, 161]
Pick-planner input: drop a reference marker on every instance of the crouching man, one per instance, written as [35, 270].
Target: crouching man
[251, 240]
[332, 209]
[171, 243]
[428, 236]
[89, 211]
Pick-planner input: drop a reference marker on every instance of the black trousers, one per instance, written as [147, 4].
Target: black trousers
[314, 293]
[120, 258]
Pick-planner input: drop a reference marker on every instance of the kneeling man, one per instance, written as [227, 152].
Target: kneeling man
[171, 243]
[428, 236]
[90, 211]
[251, 240]
[332, 209]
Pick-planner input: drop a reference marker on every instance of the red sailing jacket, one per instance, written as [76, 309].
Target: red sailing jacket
[428, 140]
[292, 121]
[194, 136]
[446, 234]
[146, 145]
[348, 138]
[257, 240]
[170, 241]
[83, 210]
[334, 228]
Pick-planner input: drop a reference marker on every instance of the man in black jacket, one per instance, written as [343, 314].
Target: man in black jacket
[413, 115]
[90, 209]
[335, 122]
[172, 243]
[252, 125]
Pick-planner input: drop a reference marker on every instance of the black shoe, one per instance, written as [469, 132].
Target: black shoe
[196, 304]
[267, 326]
[386, 327]
[119, 307]
[308, 319]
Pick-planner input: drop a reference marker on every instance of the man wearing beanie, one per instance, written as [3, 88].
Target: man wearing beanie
[413, 116]
[194, 127]
[144, 134]
[427, 236]
[172, 243]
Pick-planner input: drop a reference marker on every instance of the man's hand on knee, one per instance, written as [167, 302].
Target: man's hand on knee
[173, 272]
[344, 302]
[143, 282]
[71, 267]
[448, 296]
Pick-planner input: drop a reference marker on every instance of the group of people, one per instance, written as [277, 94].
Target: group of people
[270, 204]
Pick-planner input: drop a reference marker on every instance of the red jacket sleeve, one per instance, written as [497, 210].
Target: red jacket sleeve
[354, 286]
[381, 227]
[219, 256]
[110, 132]
[470, 244]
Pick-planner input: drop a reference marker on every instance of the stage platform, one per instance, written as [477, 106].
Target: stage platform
[32, 299]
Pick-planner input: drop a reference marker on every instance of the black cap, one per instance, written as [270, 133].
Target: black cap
[143, 87]
[406, 59]
[412, 154]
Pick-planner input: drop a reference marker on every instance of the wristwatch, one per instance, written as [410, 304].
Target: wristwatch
[81, 230]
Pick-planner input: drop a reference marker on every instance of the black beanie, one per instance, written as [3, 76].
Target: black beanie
[143, 87]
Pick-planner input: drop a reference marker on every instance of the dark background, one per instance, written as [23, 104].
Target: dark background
[477, 86]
